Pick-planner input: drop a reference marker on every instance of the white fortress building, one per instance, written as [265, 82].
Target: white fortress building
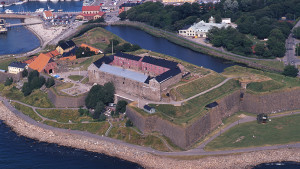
[200, 29]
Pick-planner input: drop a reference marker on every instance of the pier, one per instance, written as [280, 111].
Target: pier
[3, 28]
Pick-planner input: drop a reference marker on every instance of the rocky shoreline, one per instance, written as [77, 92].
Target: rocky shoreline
[146, 159]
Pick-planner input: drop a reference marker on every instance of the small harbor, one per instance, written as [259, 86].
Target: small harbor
[3, 28]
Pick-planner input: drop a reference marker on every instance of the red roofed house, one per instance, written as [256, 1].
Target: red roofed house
[91, 48]
[43, 63]
[90, 13]
[48, 15]
[53, 53]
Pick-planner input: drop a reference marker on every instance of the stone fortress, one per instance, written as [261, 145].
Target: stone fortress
[144, 77]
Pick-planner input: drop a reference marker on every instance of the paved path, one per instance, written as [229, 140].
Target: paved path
[290, 44]
[108, 130]
[197, 151]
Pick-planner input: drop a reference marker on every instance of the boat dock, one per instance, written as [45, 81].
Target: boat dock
[3, 28]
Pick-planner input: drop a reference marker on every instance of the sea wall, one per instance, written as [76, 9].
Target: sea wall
[66, 101]
[184, 137]
[82, 140]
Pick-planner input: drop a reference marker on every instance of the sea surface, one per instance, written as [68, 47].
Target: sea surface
[66, 6]
[17, 40]
[18, 152]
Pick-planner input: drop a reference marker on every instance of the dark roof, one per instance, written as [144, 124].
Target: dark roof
[211, 105]
[67, 44]
[17, 64]
[186, 27]
[168, 74]
[104, 59]
[146, 107]
[129, 4]
[128, 56]
[70, 53]
[160, 62]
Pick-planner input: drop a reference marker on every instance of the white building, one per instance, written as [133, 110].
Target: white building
[201, 28]
[16, 67]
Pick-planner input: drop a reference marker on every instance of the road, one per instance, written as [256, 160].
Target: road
[290, 44]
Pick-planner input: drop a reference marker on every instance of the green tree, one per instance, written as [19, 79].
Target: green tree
[50, 82]
[129, 123]
[33, 74]
[259, 49]
[26, 89]
[102, 117]
[122, 16]
[98, 110]
[8, 81]
[290, 70]
[121, 106]
[25, 73]
[297, 50]
[296, 32]
[109, 92]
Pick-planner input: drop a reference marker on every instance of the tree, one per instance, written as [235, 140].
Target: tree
[33, 74]
[218, 18]
[129, 123]
[24, 73]
[50, 82]
[230, 5]
[122, 15]
[109, 92]
[297, 50]
[290, 70]
[121, 106]
[102, 117]
[82, 111]
[259, 49]
[26, 89]
[105, 94]
[8, 81]
[296, 32]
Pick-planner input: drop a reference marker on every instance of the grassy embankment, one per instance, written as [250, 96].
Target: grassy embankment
[194, 109]
[64, 116]
[37, 98]
[282, 130]
[27, 111]
[269, 64]
[260, 81]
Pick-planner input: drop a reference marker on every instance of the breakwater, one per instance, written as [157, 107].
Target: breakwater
[149, 158]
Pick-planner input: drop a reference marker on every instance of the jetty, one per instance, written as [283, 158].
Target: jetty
[3, 28]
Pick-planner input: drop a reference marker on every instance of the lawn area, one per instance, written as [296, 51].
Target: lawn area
[195, 108]
[282, 130]
[95, 128]
[260, 81]
[128, 135]
[85, 80]
[75, 77]
[64, 116]
[98, 38]
[200, 85]
[27, 111]
[37, 98]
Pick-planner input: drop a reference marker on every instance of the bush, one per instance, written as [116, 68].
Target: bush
[102, 117]
[8, 81]
[25, 73]
[50, 82]
[290, 70]
[121, 106]
[129, 123]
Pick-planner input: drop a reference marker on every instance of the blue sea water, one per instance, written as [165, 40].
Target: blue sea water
[17, 152]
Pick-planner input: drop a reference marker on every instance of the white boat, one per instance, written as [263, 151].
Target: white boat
[20, 3]
[60, 10]
[1, 6]
[39, 10]
[9, 11]
[49, 9]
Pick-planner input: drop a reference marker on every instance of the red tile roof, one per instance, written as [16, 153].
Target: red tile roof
[90, 8]
[99, 13]
[40, 62]
[52, 53]
[91, 48]
[30, 60]
[48, 14]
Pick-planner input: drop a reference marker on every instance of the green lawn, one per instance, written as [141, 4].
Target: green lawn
[75, 77]
[272, 82]
[280, 130]
[64, 115]
[37, 98]
[27, 111]
[195, 108]
[96, 128]
[200, 85]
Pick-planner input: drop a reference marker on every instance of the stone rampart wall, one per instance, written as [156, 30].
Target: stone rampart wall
[4, 76]
[185, 137]
[271, 103]
[66, 101]
[170, 82]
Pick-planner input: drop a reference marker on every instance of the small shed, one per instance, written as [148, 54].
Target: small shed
[212, 105]
[149, 109]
